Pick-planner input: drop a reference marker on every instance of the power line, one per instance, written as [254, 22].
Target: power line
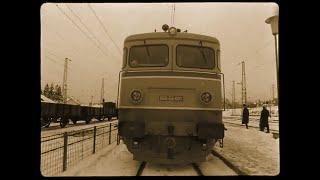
[263, 47]
[64, 82]
[233, 97]
[243, 85]
[53, 54]
[55, 61]
[171, 17]
[84, 25]
[81, 30]
[102, 92]
[105, 30]
[174, 9]
[75, 52]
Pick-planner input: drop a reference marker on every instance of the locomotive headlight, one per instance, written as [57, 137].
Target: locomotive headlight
[136, 96]
[172, 31]
[206, 97]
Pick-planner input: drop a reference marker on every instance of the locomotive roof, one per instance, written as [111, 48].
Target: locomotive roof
[179, 35]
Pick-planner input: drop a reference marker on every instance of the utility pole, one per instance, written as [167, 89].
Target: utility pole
[272, 92]
[233, 97]
[91, 101]
[64, 82]
[243, 85]
[102, 91]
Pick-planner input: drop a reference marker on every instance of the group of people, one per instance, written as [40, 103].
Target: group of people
[263, 118]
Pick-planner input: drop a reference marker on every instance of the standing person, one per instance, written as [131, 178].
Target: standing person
[245, 115]
[264, 119]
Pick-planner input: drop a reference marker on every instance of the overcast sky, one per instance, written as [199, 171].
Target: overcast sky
[96, 51]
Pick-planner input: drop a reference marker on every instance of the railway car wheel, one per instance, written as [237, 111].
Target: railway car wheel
[45, 122]
[63, 122]
[48, 123]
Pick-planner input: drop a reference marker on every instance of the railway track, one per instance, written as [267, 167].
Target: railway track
[234, 168]
[143, 165]
[141, 168]
[228, 163]
[197, 167]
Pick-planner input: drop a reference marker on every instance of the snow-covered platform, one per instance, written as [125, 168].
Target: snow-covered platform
[252, 151]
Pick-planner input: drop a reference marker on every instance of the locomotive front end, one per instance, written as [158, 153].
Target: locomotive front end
[170, 98]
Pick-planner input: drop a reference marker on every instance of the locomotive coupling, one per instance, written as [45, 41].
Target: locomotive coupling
[171, 143]
[135, 144]
[204, 147]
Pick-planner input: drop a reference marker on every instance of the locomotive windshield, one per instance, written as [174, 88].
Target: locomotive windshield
[149, 56]
[195, 57]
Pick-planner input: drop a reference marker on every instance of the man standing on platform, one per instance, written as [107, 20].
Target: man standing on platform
[245, 115]
[264, 119]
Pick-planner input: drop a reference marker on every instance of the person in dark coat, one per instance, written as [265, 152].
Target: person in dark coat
[264, 119]
[245, 116]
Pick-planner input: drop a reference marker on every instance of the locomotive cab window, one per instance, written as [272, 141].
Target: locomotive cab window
[124, 63]
[218, 60]
[195, 57]
[149, 56]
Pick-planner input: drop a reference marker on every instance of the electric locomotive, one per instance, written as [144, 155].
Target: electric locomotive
[170, 96]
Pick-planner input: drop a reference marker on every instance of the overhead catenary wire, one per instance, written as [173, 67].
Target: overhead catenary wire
[84, 33]
[50, 52]
[104, 28]
[53, 60]
[56, 61]
[264, 46]
[174, 9]
[90, 32]
[75, 52]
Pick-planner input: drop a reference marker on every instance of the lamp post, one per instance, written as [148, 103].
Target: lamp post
[274, 22]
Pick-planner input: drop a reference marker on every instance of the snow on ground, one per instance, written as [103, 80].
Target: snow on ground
[152, 169]
[252, 111]
[253, 121]
[212, 167]
[114, 160]
[215, 167]
[252, 151]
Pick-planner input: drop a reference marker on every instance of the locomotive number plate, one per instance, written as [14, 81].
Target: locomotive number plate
[171, 98]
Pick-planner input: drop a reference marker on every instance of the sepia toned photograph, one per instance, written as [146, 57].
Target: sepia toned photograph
[159, 89]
